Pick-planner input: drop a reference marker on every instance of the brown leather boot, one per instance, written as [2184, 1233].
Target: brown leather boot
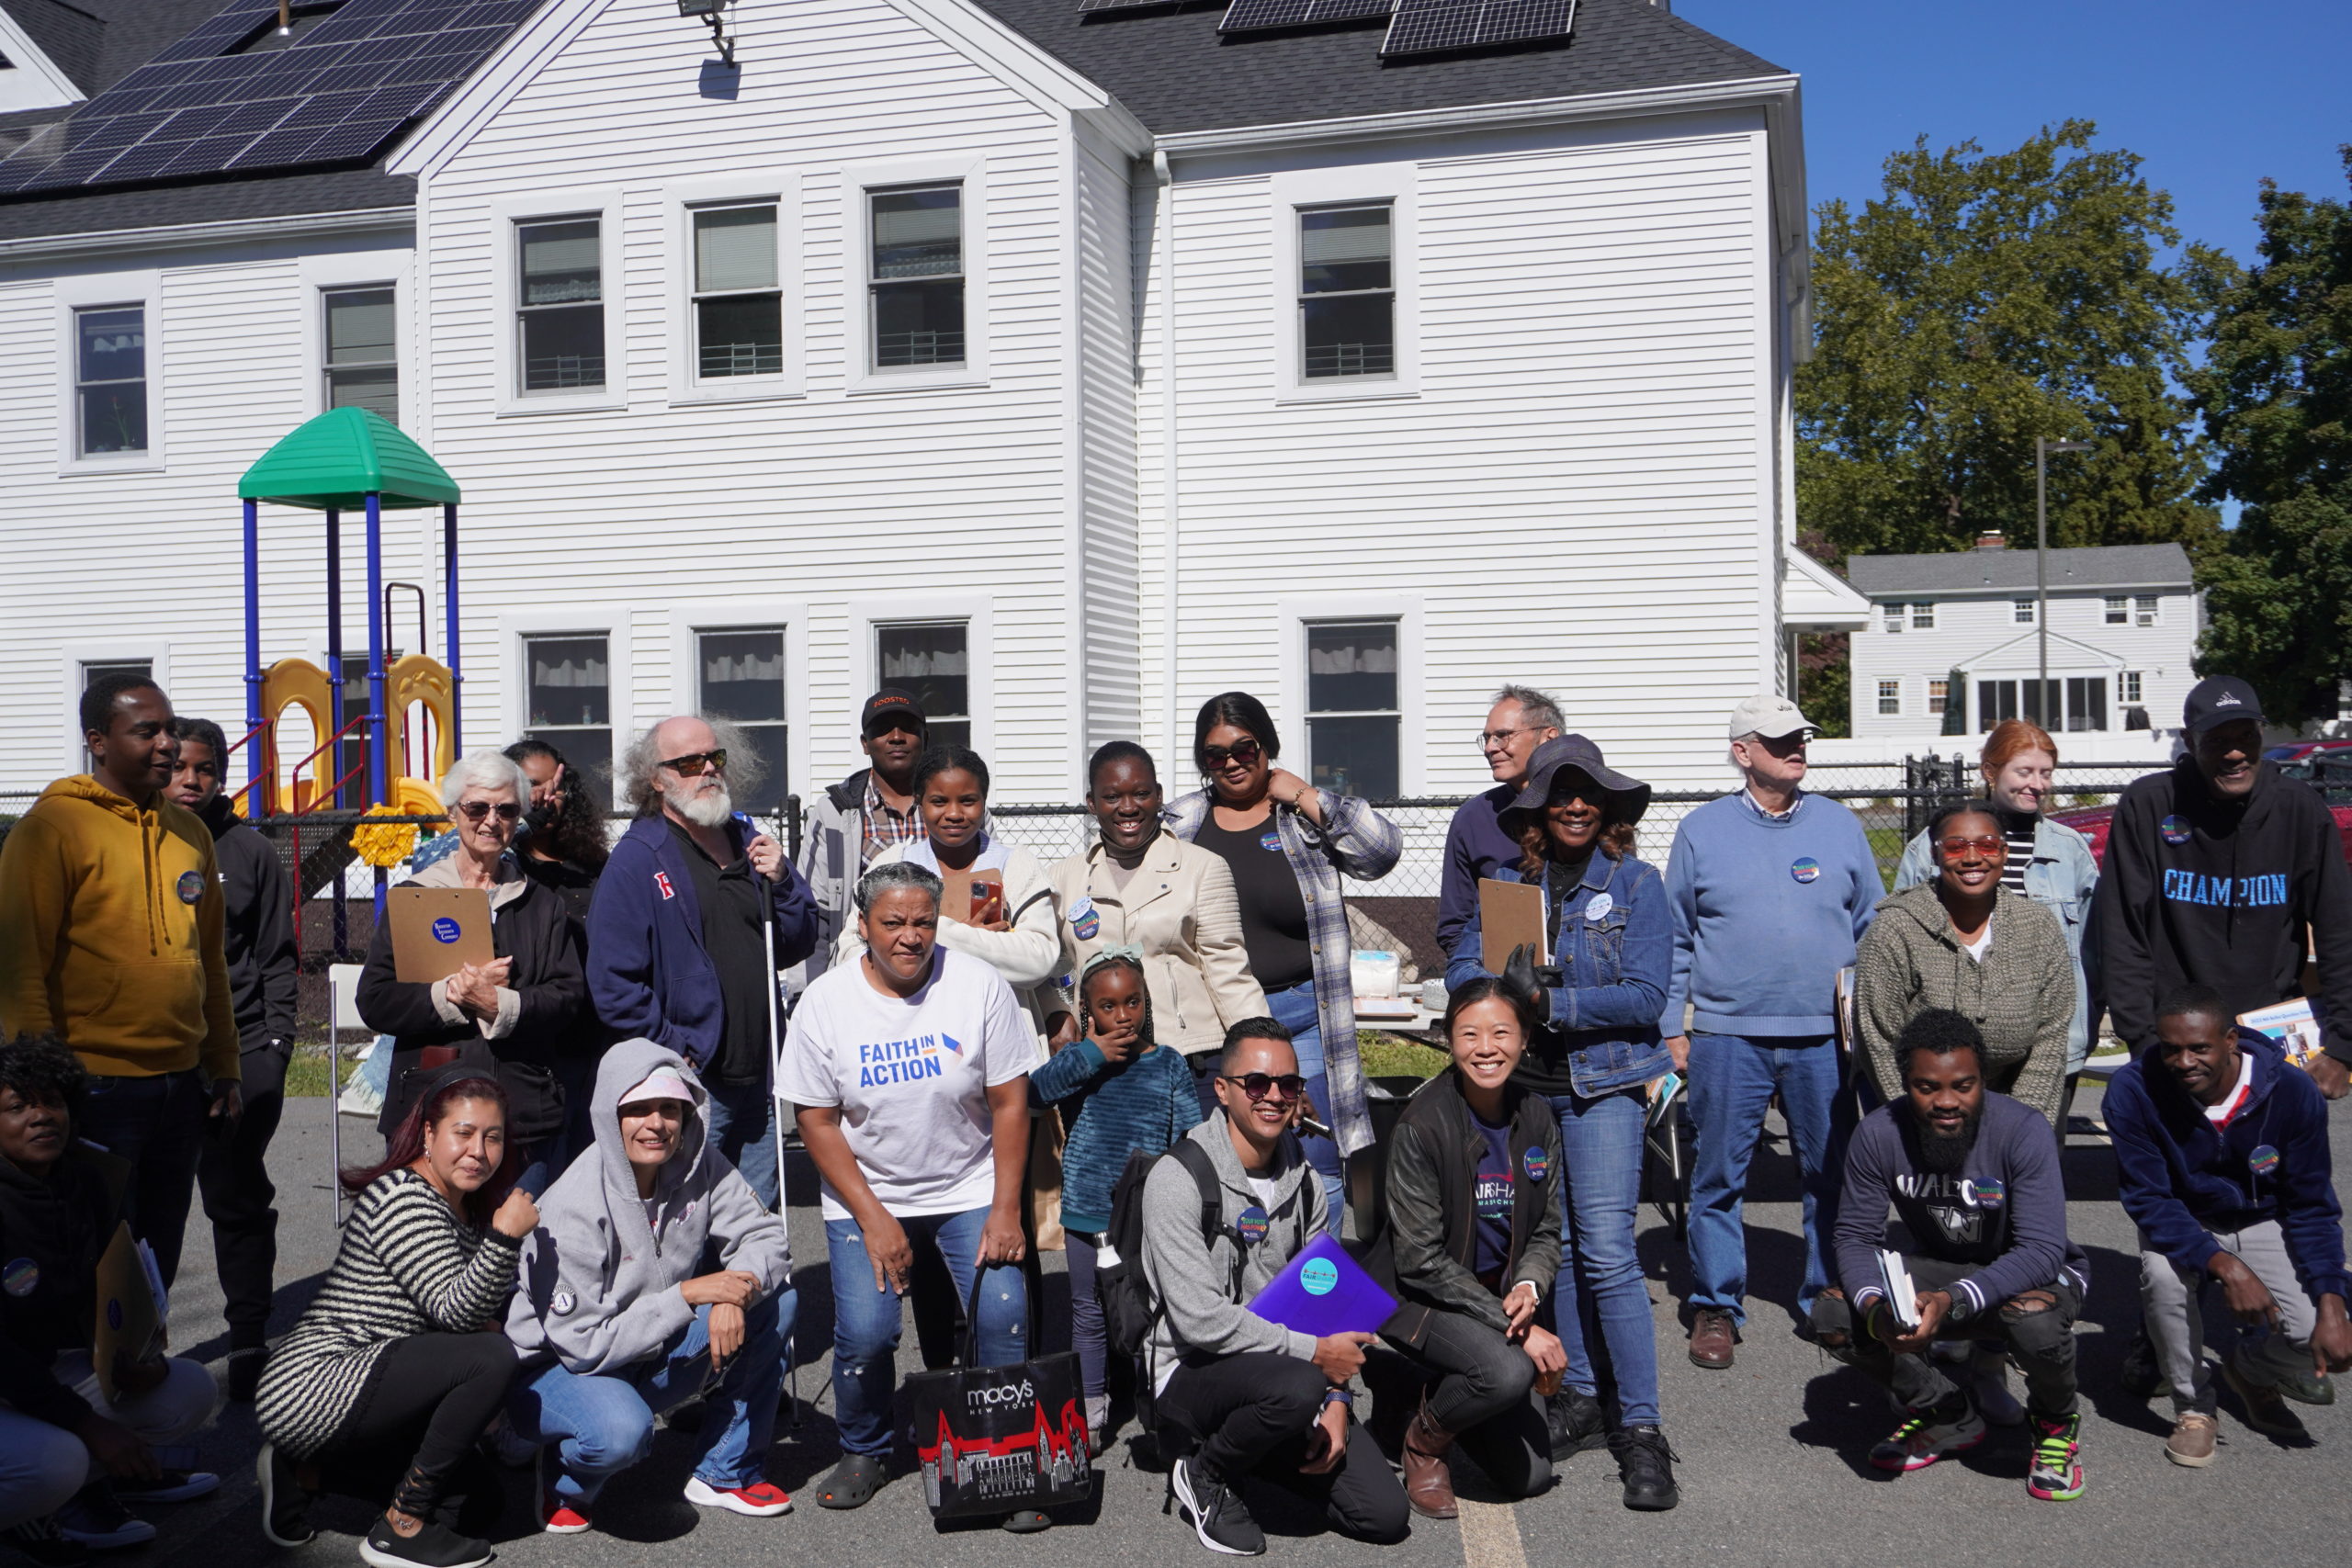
[1429, 1485]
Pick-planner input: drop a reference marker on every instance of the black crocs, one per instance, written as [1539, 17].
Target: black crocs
[853, 1483]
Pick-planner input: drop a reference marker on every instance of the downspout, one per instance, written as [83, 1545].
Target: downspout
[1168, 503]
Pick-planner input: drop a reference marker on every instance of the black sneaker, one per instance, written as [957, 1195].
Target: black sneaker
[41, 1542]
[435, 1546]
[1646, 1465]
[2140, 1375]
[283, 1500]
[1577, 1423]
[1219, 1516]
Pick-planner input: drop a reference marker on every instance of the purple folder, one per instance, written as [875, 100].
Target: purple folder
[1323, 1290]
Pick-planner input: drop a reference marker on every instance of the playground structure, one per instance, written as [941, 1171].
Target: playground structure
[346, 459]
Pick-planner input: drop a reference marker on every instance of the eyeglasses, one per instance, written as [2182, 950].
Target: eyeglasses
[1257, 1086]
[1489, 739]
[1983, 846]
[475, 810]
[694, 762]
[1244, 751]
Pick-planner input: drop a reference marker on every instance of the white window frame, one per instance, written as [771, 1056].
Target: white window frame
[1923, 614]
[2129, 684]
[689, 620]
[515, 670]
[1939, 697]
[1890, 691]
[2021, 612]
[1894, 617]
[857, 181]
[76, 655]
[357, 269]
[123, 290]
[2147, 610]
[680, 198]
[1361, 184]
[604, 204]
[2115, 609]
[1292, 616]
[866, 615]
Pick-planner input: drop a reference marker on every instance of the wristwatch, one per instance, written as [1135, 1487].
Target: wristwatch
[1338, 1395]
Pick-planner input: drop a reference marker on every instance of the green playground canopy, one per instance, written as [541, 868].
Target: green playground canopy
[336, 460]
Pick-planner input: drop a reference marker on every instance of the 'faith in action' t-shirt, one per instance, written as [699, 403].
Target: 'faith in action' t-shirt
[911, 1077]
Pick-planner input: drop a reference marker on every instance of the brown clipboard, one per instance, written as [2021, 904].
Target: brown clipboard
[435, 930]
[1509, 913]
[126, 1317]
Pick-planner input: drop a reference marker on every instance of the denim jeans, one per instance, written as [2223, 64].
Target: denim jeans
[742, 1123]
[1601, 1281]
[1086, 1335]
[1732, 1080]
[602, 1422]
[157, 1125]
[1296, 1010]
[867, 1319]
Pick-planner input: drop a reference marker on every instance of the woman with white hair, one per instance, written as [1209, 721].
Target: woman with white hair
[518, 1015]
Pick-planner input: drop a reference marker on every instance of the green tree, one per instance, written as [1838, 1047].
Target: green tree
[1985, 300]
[2276, 393]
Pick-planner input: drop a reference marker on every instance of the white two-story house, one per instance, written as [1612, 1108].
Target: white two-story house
[1069, 363]
[1956, 644]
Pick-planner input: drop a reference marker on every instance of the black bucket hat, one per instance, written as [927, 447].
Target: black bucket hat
[1628, 798]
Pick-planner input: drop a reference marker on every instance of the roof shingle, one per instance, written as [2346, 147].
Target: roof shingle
[1963, 571]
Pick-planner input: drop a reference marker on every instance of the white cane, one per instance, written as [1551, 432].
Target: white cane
[775, 1110]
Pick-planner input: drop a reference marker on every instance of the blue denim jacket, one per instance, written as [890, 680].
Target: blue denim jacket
[2059, 878]
[1613, 967]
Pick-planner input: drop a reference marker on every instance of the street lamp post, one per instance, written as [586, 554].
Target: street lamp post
[2043, 447]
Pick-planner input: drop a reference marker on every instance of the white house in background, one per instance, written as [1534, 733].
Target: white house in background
[1068, 367]
[1954, 646]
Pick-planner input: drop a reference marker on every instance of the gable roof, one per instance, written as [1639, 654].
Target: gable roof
[69, 34]
[1171, 69]
[1993, 572]
[98, 42]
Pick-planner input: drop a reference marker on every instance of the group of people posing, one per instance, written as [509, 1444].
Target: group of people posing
[584, 1135]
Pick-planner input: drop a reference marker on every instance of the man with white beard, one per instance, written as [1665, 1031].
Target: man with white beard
[676, 952]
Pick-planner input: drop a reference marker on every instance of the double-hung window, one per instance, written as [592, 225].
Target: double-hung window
[931, 663]
[1347, 291]
[2118, 609]
[1893, 617]
[2021, 612]
[362, 368]
[560, 325]
[110, 380]
[1354, 722]
[740, 676]
[915, 277]
[2144, 610]
[1923, 614]
[568, 685]
[1889, 696]
[738, 305]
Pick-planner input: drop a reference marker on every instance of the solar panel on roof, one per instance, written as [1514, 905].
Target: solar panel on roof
[1249, 15]
[1429, 26]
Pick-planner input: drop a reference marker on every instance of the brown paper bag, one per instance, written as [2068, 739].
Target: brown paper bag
[1044, 1180]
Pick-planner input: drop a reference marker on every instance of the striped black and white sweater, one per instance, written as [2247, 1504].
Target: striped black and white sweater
[407, 1265]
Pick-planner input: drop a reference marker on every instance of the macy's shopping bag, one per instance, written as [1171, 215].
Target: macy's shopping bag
[993, 1439]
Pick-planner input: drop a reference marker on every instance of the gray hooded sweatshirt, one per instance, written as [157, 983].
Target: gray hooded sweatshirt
[600, 1279]
[1201, 1291]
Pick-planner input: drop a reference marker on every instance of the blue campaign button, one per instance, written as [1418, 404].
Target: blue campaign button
[444, 929]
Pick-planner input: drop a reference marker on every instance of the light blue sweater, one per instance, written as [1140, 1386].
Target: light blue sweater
[1764, 914]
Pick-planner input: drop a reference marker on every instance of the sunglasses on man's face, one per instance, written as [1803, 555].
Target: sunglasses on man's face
[1257, 1086]
[1245, 752]
[475, 810]
[694, 762]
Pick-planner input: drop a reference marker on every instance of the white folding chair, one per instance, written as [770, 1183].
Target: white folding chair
[343, 1013]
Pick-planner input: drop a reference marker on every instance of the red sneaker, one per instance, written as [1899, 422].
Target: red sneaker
[760, 1499]
[564, 1518]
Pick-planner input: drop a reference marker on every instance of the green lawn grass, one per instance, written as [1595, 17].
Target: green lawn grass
[306, 1075]
[1391, 1056]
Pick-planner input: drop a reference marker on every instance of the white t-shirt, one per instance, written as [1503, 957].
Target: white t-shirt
[1981, 945]
[911, 1078]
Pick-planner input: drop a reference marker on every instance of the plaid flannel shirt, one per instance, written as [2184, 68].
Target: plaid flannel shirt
[885, 828]
[1360, 841]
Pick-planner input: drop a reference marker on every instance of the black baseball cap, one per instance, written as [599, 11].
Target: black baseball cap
[2219, 699]
[888, 702]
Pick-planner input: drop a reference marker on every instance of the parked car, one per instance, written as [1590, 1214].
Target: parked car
[2296, 751]
[2330, 773]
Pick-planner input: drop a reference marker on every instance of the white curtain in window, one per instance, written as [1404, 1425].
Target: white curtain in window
[1376, 655]
[735, 249]
[571, 669]
[1330, 238]
[720, 667]
[561, 264]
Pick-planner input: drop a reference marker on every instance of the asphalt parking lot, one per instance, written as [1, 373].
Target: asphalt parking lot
[1773, 1451]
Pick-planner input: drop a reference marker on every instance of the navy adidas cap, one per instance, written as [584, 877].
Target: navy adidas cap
[2219, 699]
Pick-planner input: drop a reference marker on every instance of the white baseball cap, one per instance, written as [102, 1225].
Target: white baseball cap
[662, 1083]
[1769, 715]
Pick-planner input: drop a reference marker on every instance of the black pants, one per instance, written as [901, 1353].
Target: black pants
[2040, 1336]
[1485, 1396]
[232, 1174]
[410, 1440]
[1249, 1415]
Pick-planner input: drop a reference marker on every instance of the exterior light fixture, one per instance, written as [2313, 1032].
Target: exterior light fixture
[711, 12]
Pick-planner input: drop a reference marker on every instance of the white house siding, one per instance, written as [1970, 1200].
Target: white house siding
[1968, 628]
[649, 519]
[1582, 493]
[150, 564]
[1107, 280]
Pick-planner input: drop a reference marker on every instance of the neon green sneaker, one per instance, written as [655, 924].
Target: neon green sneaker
[2056, 1475]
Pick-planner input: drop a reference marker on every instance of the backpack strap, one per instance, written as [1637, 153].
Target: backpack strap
[1195, 1160]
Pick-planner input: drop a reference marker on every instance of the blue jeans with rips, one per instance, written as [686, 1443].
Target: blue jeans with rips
[867, 1319]
[1733, 1078]
[1295, 1010]
[1601, 1282]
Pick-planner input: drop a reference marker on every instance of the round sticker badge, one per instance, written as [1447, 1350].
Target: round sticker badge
[1251, 1222]
[444, 929]
[562, 1302]
[1084, 923]
[1271, 840]
[1597, 908]
[1805, 869]
[1537, 1163]
[2263, 1161]
[190, 887]
[1987, 1193]
[19, 1276]
[1318, 1276]
[2174, 830]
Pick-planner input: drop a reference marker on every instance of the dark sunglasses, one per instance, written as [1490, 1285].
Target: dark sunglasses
[694, 762]
[1257, 1086]
[1984, 846]
[1242, 751]
[475, 810]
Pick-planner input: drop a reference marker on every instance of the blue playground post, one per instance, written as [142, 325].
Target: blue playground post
[379, 721]
[449, 640]
[253, 806]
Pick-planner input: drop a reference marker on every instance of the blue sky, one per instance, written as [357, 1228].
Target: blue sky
[2211, 97]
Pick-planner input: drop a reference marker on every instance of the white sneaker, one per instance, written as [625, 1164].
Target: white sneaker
[760, 1500]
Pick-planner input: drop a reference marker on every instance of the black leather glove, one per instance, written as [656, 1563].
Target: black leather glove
[1519, 982]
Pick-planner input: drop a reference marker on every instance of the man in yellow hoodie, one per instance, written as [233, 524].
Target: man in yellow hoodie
[110, 938]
